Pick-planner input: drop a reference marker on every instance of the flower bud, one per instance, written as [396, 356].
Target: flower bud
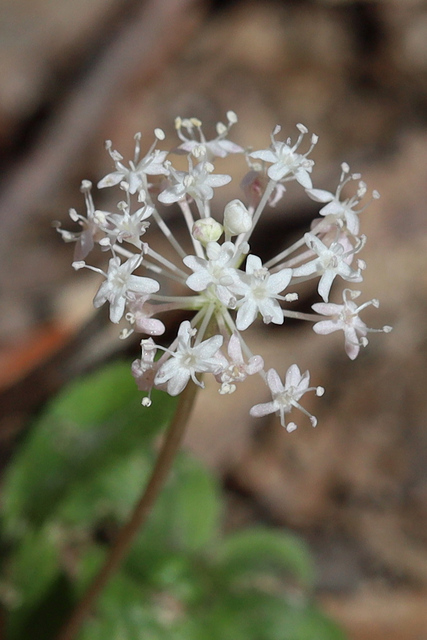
[207, 230]
[237, 218]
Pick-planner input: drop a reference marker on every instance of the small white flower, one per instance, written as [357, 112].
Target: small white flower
[139, 315]
[345, 317]
[218, 270]
[286, 396]
[119, 281]
[134, 175]
[128, 227]
[331, 261]
[186, 361]
[260, 292]
[198, 183]
[343, 210]
[218, 147]
[287, 164]
[91, 231]
[236, 369]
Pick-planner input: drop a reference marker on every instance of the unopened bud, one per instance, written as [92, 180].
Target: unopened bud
[237, 218]
[207, 230]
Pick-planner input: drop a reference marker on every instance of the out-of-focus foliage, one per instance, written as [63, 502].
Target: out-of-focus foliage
[72, 485]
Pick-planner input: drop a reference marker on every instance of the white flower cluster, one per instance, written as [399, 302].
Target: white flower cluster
[225, 298]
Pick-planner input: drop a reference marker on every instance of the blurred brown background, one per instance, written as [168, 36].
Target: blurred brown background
[73, 74]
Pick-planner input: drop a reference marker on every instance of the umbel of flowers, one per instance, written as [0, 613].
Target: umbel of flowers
[227, 287]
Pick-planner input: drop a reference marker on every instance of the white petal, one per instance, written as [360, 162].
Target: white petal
[271, 311]
[178, 382]
[265, 154]
[320, 195]
[274, 382]
[117, 309]
[253, 263]
[246, 315]
[260, 410]
[140, 284]
[293, 376]
[325, 327]
[325, 284]
[199, 281]
[302, 176]
[278, 171]
[111, 180]
[327, 308]
[279, 281]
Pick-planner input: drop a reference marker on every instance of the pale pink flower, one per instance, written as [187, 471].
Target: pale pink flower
[345, 317]
[286, 396]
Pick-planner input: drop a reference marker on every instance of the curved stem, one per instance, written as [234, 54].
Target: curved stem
[118, 551]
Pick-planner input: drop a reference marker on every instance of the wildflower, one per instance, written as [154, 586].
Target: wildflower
[286, 396]
[198, 183]
[225, 286]
[343, 210]
[152, 164]
[260, 293]
[330, 262]
[91, 226]
[235, 369]
[140, 315]
[287, 163]
[216, 270]
[126, 226]
[219, 146]
[345, 317]
[186, 361]
[118, 282]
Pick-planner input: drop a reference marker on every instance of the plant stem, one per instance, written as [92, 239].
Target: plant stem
[118, 551]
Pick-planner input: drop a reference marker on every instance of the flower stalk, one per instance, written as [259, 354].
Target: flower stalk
[167, 453]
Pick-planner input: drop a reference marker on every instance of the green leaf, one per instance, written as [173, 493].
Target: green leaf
[261, 550]
[305, 622]
[262, 615]
[43, 621]
[196, 505]
[124, 612]
[109, 493]
[89, 426]
[34, 565]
